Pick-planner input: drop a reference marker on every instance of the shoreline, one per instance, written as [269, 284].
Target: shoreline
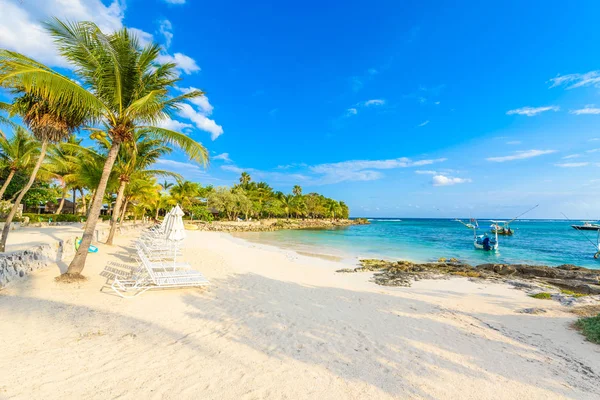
[278, 324]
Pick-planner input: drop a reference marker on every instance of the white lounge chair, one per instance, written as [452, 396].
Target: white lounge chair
[154, 275]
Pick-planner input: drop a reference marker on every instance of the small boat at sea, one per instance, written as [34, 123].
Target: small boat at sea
[587, 226]
[481, 242]
[501, 228]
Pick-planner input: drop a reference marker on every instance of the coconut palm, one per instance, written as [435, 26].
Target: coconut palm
[63, 163]
[135, 158]
[245, 179]
[297, 190]
[49, 123]
[17, 154]
[185, 193]
[287, 202]
[123, 86]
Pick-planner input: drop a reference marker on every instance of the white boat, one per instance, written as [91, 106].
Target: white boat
[482, 242]
[587, 226]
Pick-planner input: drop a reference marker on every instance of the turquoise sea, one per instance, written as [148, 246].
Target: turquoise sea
[540, 242]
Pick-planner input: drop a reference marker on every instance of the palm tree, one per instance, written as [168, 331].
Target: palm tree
[49, 123]
[245, 179]
[185, 193]
[17, 154]
[287, 202]
[135, 158]
[123, 86]
[166, 185]
[63, 160]
[297, 190]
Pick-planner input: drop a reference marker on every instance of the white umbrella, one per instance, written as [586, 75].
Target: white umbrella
[165, 221]
[175, 228]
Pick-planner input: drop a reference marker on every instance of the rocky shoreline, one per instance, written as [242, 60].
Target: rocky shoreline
[565, 282]
[270, 225]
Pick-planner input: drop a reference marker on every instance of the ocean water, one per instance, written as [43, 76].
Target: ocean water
[540, 242]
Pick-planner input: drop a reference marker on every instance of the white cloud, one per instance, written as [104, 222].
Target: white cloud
[165, 28]
[571, 156]
[174, 125]
[144, 38]
[224, 157]
[202, 101]
[426, 172]
[21, 29]
[592, 150]
[174, 1]
[572, 81]
[521, 155]
[423, 123]
[512, 142]
[531, 111]
[588, 109]
[572, 165]
[201, 121]
[374, 102]
[184, 63]
[442, 180]
[351, 111]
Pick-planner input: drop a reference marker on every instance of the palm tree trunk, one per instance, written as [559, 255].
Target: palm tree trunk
[157, 211]
[91, 202]
[123, 209]
[15, 207]
[6, 182]
[83, 203]
[78, 262]
[62, 201]
[116, 211]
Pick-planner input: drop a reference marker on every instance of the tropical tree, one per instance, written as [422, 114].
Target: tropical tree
[135, 158]
[245, 179]
[123, 86]
[17, 154]
[297, 190]
[49, 123]
[287, 203]
[166, 185]
[63, 160]
[185, 193]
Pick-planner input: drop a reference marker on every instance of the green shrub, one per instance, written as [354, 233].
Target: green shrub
[590, 327]
[542, 296]
[105, 217]
[572, 293]
[35, 218]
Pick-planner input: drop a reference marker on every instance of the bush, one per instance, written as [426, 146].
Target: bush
[35, 218]
[572, 293]
[590, 327]
[105, 217]
[542, 296]
[199, 212]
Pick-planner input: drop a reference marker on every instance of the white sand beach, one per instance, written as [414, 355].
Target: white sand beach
[278, 325]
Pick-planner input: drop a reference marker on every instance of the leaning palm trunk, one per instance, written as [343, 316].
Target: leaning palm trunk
[123, 210]
[6, 182]
[83, 203]
[15, 207]
[78, 262]
[62, 201]
[116, 212]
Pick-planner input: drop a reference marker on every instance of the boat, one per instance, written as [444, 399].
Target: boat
[587, 226]
[481, 242]
[501, 228]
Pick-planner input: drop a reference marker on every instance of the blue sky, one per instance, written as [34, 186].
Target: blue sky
[399, 108]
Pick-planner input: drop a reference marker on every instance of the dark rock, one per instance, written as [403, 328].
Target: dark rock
[533, 310]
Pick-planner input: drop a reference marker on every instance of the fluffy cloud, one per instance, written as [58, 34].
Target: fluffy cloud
[202, 101]
[443, 180]
[165, 28]
[21, 29]
[201, 121]
[531, 111]
[588, 109]
[423, 123]
[184, 63]
[174, 125]
[223, 157]
[374, 102]
[521, 155]
[351, 111]
[573, 81]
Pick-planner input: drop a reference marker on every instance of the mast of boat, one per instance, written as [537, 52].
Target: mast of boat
[520, 215]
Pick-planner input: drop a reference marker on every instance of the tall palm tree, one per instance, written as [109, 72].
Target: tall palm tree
[185, 193]
[123, 86]
[135, 158]
[245, 179]
[17, 154]
[297, 190]
[49, 123]
[63, 163]
[287, 202]
[166, 185]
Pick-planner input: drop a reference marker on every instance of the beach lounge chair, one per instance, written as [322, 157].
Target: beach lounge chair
[155, 275]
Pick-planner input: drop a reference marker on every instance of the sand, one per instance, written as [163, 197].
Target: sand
[279, 325]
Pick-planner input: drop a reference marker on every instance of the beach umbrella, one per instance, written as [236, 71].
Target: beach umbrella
[175, 230]
[166, 221]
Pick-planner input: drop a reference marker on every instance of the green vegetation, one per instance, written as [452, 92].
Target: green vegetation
[542, 296]
[572, 293]
[590, 327]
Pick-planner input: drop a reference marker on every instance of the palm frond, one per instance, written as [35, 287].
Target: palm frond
[194, 150]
